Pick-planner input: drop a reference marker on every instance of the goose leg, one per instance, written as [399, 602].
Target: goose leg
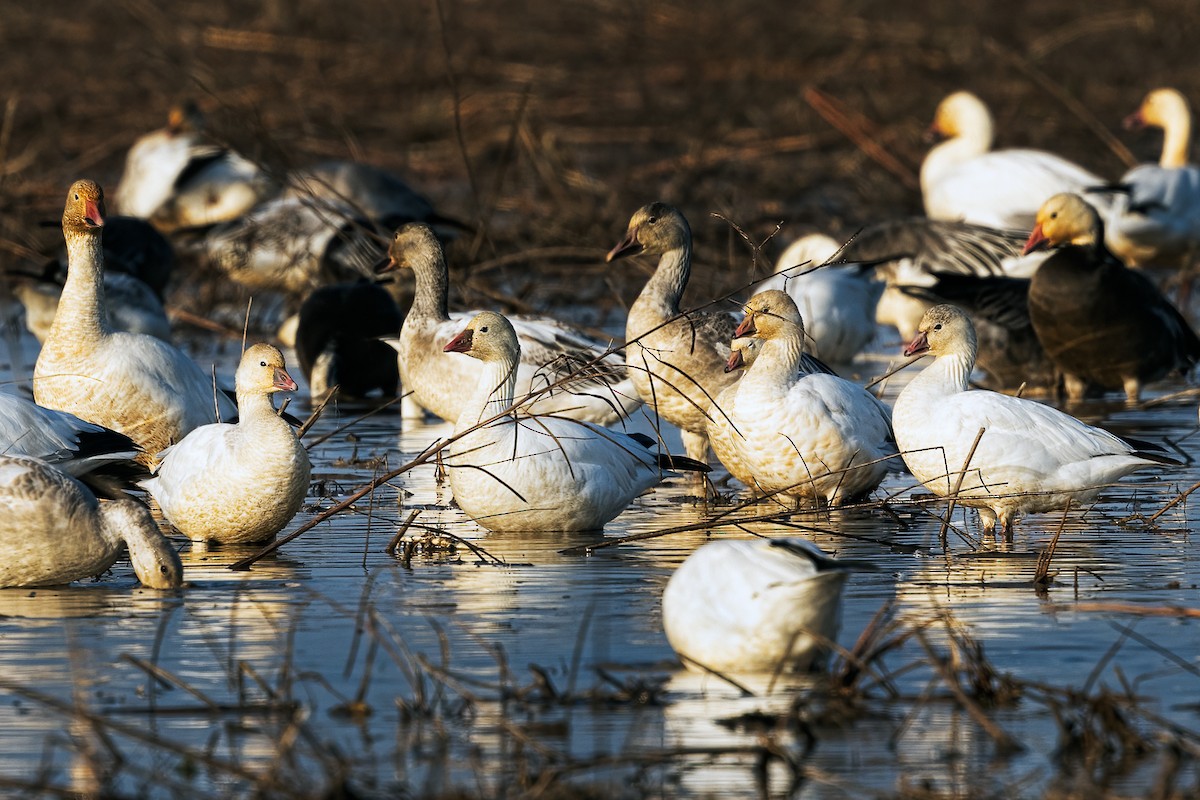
[1133, 390]
[695, 445]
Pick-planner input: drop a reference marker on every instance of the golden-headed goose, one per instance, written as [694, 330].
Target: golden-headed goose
[132, 383]
[539, 472]
[809, 436]
[237, 483]
[550, 349]
[676, 362]
[1030, 458]
[962, 178]
[54, 531]
[1101, 323]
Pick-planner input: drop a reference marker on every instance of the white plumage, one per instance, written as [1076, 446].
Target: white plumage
[63, 440]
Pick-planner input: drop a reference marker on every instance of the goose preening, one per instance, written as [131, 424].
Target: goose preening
[1154, 219]
[810, 436]
[755, 606]
[543, 472]
[550, 350]
[837, 301]
[243, 482]
[135, 384]
[1101, 323]
[962, 178]
[676, 362]
[1030, 458]
[177, 178]
[54, 531]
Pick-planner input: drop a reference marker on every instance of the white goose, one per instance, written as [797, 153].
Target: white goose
[132, 383]
[54, 531]
[962, 178]
[60, 439]
[1031, 458]
[538, 473]
[1155, 217]
[755, 606]
[722, 438]
[237, 483]
[676, 362]
[837, 301]
[809, 436]
[550, 349]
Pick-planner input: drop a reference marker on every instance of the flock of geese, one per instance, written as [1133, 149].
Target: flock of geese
[1024, 270]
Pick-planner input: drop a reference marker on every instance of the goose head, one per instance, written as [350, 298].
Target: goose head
[1064, 219]
[154, 560]
[771, 314]
[488, 337]
[1159, 109]
[654, 229]
[961, 114]
[262, 371]
[412, 243]
[84, 210]
[744, 351]
[943, 330]
[185, 117]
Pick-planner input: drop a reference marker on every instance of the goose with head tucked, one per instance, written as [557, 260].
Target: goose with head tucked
[761, 605]
[54, 531]
[1102, 324]
[243, 482]
[810, 436]
[538, 472]
[1030, 458]
[962, 178]
[550, 350]
[135, 384]
[677, 362]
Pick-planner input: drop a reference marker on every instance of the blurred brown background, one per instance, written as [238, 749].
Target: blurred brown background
[545, 124]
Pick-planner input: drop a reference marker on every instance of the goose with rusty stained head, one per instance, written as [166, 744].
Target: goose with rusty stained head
[962, 178]
[133, 383]
[539, 472]
[809, 436]
[54, 531]
[761, 605]
[677, 362]
[1030, 458]
[1102, 324]
[550, 350]
[243, 482]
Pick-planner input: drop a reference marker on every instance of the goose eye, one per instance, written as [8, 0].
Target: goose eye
[652, 220]
[77, 195]
[262, 363]
[937, 327]
[483, 329]
[162, 568]
[1054, 215]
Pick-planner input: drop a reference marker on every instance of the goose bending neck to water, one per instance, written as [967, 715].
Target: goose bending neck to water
[676, 362]
[54, 531]
[542, 472]
[132, 383]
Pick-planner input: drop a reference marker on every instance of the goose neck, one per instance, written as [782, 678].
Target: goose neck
[944, 157]
[494, 393]
[81, 308]
[665, 288]
[778, 362]
[948, 374]
[1177, 141]
[255, 407]
[432, 285]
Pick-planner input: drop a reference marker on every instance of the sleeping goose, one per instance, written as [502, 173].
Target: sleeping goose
[539, 472]
[550, 349]
[176, 177]
[676, 362]
[132, 383]
[1101, 323]
[837, 301]
[813, 437]
[1155, 216]
[237, 483]
[1031, 458]
[54, 531]
[761, 605]
[962, 178]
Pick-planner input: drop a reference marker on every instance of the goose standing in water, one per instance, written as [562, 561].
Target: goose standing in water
[1030, 459]
[237, 483]
[539, 472]
[550, 349]
[132, 383]
[54, 531]
[755, 606]
[676, 362]
[809, 436]
[1101, 323]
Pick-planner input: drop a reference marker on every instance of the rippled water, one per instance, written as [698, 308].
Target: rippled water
[355, 666]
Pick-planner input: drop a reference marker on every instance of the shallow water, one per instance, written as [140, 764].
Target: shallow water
[330, 660]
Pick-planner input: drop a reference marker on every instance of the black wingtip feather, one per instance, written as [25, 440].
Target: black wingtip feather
[682, 463]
